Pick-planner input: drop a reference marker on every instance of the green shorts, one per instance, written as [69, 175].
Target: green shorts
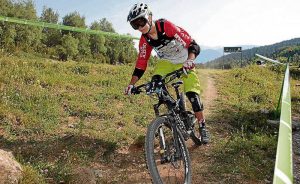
[191, 81]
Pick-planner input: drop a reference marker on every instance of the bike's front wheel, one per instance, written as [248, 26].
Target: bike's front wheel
[167, 156]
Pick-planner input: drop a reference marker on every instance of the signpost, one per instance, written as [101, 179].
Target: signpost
[232, 50]
[236, 50]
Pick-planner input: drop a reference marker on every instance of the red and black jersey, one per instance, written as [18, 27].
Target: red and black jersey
[172, 44]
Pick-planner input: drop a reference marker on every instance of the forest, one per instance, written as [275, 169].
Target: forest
[59, 44]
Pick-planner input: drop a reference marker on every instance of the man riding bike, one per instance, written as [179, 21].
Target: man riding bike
[175, 48]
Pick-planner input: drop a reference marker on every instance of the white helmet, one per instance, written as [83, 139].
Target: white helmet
[139, 10]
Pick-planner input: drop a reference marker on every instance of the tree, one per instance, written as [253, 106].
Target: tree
[97, 44]
[69, 47]
[48, 15]
[128, 53]
[7, 37]
[106, 26]
[28, 37]
[75, 20]
[84, 47]
[51, 37]
[5, 7]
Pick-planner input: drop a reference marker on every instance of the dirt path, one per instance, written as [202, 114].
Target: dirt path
[210, 94]
[202, 156]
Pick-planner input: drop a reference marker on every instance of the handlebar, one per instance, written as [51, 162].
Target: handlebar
[173, 75]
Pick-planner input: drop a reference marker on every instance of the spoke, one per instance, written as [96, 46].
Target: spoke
[171, 171]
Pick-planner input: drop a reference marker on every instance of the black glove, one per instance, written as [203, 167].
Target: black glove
[155, 84]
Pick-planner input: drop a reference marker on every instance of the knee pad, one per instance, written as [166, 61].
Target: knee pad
[194, 98]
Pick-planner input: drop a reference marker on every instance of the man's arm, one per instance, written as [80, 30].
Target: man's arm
[142, 60]
[141, 63]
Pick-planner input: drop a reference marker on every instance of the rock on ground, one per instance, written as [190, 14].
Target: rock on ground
[10, 169]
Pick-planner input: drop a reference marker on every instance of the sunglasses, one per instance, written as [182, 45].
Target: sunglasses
[139, 22]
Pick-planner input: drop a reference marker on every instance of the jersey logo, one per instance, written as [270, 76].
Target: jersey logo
[180, 39]
[143, 51]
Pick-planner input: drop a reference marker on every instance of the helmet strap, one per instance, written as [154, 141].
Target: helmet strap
[150, 27]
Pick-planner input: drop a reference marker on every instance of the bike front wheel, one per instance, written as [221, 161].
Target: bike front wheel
[167, 156]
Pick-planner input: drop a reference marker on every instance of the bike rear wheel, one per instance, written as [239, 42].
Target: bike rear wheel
[165, 164]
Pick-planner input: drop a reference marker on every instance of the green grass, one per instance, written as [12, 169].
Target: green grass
[295, 90]
[58, 116]
[250, 158]
[245, 94]
[248, 98]
[32, 176]
[40, 98]
[48, 106]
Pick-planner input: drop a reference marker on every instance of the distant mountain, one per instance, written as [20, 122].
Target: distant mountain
[211, 53]
[231, 60]
[208, 55]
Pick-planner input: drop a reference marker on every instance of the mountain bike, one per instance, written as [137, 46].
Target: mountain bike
[167, 156]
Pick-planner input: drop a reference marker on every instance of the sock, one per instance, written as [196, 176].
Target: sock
[202, 123]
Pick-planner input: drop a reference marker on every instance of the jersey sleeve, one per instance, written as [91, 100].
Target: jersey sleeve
[178, 33]
[144, 54]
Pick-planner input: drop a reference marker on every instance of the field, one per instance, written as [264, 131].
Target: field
[69, 120]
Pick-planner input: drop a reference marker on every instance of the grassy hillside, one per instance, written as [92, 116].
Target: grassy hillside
[61, 117]
[248, 98]
[55, 115]
[46, 98]
[58, 115]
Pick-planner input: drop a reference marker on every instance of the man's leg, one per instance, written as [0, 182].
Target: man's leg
[198, 110]
[192, 89]
[200, 116]
[163, 67]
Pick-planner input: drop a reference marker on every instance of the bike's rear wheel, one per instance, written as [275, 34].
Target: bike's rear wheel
[164, 164]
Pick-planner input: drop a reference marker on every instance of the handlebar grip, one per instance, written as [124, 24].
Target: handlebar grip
[133, 90]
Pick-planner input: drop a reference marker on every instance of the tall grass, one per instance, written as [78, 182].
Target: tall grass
[248, 98]
[59, 115]
[42, 98]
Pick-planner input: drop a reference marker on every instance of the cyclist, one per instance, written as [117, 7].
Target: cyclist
[175, 48]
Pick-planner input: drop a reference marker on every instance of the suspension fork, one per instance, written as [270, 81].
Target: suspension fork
[176, 139]
[162, 141]
[162, 144]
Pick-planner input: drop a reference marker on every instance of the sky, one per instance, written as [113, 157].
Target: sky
[213, 23]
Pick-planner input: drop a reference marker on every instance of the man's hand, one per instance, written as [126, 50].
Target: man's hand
[156, 84]
[128, 90]
[188, 65]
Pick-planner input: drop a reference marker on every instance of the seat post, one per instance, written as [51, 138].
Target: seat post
[177, 91]
[176, 86]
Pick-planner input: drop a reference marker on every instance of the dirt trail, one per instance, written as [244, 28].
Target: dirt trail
[210, 95]
[202, 156]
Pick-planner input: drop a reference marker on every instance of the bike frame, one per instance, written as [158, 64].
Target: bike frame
[174, 109]
[173, 117]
